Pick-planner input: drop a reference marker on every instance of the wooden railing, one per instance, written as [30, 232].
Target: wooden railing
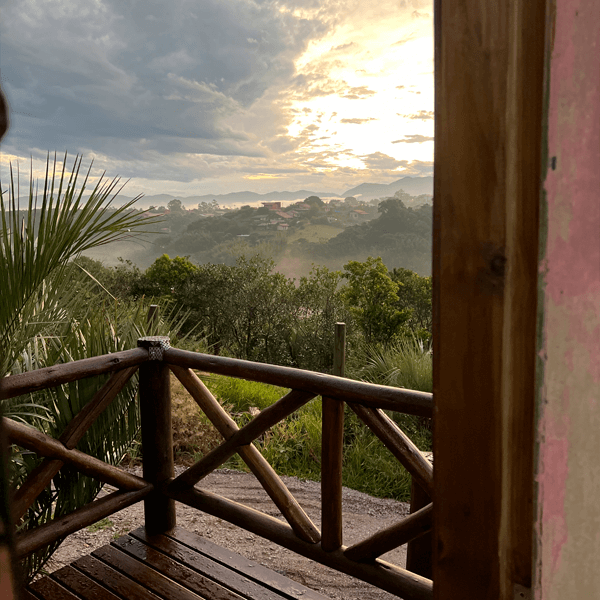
[159, 488]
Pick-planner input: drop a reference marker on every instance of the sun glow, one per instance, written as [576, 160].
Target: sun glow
[365, 81]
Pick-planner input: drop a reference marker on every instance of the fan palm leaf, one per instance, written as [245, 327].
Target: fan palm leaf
[36, 243]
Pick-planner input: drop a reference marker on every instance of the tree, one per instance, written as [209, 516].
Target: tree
[372, 298]
[314, 201]
[318, 306]
[414, 294]
[165, 274]
[175, 206]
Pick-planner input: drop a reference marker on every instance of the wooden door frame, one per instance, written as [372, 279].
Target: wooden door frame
[489, 78]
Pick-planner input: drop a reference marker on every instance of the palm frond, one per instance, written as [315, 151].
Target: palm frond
[38, 241]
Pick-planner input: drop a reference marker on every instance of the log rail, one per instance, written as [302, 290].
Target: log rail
[159, 489]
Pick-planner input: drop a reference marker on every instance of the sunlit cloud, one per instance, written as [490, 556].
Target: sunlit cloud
[413, 139]
[195, 98]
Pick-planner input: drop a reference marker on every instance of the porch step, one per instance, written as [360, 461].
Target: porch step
[178, 565]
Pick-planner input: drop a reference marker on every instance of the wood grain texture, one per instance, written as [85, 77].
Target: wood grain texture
[171, 567]
[240, 564]
[262, 470]
[419, 552]
[377, 396]
[25, 383]
[83, 586]
[41, 476]
[489, 69]
[204, 565]
[113, 580]
[51, 590]
[44, 445]
[141, 573]
[332, 449]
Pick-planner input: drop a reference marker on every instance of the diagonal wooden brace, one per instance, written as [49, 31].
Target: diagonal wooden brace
[263, 471]
[410, 528]
[285, 406]
[399, 444]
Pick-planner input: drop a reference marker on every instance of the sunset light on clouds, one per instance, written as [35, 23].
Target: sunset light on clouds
[202, 97]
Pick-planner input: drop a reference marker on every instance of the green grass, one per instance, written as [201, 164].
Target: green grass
[100, 525]
[313, 233]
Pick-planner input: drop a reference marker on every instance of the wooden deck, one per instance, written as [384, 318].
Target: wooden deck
[178, 565]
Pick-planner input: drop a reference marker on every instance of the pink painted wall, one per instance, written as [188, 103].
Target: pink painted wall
[568, 427]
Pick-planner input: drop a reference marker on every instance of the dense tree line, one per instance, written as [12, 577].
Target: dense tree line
[400, 235]
[250, 311]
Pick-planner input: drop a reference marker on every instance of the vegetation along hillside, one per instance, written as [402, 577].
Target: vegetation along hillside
[397, 228]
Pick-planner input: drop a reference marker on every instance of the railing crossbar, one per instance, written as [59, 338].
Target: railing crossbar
[57, 529]
[319, 384]
[25, 383]
[44, 445]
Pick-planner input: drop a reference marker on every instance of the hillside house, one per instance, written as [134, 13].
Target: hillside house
[272, 205]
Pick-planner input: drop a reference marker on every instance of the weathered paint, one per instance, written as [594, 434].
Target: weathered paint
[568, 467]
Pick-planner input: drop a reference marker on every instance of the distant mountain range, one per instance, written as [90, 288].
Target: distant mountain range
[414, 186]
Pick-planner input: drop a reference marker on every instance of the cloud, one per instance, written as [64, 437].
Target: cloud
[422, 114]
[177, 95]
[357, 93]
[91, 73]
[413, 139]
[402, 42]
[357, 121]
[380, 161]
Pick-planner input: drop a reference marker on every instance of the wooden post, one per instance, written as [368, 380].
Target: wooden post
[488, 156]
[152, 318]
[419, 552]
[332, 452]
[157, 435]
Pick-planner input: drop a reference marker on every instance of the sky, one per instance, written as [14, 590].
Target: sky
[191, 97]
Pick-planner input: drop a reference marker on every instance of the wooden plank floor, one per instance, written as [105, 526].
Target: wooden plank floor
[176, 566]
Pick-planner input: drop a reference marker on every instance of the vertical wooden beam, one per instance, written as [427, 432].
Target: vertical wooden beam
[489, 92]
[419, 552]
[157, 435]
[152, 318]
[331, 454]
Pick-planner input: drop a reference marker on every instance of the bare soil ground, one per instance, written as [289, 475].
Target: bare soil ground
[363, 516]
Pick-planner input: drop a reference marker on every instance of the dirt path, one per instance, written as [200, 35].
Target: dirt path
[363, 515]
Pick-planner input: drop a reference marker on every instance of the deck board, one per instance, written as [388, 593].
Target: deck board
[179, 565]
